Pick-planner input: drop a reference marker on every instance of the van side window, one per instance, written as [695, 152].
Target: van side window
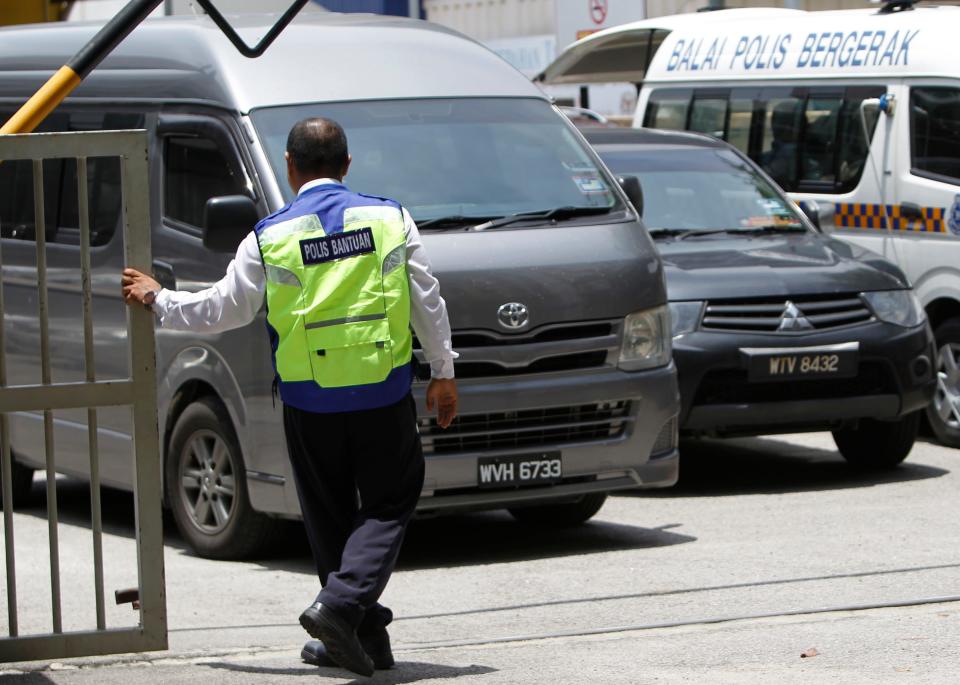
[807, 141]
[61, 210]
[781, 140]
[194, 170]
[708, 115]
[668, 110]
[935, 133]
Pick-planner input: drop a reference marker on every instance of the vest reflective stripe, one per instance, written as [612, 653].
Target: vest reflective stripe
[338, 303]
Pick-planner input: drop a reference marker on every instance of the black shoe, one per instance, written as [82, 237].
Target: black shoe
[339, 639]
[377, 647]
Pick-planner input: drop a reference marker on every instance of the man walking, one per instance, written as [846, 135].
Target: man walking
[344, 276]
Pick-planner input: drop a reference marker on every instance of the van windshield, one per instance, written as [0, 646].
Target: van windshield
[457, 160]
[687, 188]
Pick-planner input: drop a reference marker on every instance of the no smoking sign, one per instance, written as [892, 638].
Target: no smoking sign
[598, 11]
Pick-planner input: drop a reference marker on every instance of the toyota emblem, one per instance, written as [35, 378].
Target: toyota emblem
[513, 315]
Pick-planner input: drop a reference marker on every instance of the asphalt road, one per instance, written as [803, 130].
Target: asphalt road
[767, 548]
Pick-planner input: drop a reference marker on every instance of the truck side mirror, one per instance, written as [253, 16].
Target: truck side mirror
[631, 186]
[227, 220]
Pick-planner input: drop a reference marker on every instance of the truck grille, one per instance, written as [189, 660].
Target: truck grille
[550, 348]
[774, 315]
[527, 428]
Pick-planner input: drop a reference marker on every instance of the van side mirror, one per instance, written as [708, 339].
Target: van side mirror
[227, 220]
[631, 186]
[821, 215]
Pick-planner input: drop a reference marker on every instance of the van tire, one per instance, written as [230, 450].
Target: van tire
[947, 431]
[204, 449]
[21, 482]
[561, 514]
[874, 444]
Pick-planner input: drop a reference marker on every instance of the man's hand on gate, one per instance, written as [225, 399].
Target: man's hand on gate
[139, 288]
[442, 394]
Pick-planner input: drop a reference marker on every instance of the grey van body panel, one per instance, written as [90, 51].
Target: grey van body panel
[188, 58]
[572, 273]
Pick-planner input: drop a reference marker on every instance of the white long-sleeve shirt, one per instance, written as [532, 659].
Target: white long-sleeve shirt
[235, 299]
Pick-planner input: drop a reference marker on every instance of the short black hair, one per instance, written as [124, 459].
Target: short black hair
[318, 146]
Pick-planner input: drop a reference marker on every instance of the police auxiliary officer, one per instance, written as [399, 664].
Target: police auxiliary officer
[345, 275]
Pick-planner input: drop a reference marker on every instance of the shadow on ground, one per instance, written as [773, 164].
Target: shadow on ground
[403, 672]
[455, 540]
[770, 466]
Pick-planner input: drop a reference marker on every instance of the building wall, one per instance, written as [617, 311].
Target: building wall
[659, 8]
[492, 19]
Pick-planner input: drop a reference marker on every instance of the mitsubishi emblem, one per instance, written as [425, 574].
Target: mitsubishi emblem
[513, 315]
[793, 319]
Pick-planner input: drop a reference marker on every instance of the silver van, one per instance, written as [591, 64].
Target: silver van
[555, 291]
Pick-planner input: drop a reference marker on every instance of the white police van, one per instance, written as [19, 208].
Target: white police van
[856, 113]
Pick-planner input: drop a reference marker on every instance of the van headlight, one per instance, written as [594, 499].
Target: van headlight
[646, 340]
[899, 307]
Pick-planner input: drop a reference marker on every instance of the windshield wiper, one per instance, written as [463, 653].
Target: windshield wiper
[774, 228]
[452, 220]
[753, 230]
[555, 214]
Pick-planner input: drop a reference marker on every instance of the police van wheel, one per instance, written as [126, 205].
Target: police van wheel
[21, 483]
[561, 514]
[876, 444]
[207, 486]
[943, 413]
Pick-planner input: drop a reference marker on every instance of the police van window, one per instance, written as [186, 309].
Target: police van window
[852, 144]
[708, 115]
[667, 109]
[61, 210]
[935, 133]
[740, 124]
[818, 149]
[194, 170]
[781, 139]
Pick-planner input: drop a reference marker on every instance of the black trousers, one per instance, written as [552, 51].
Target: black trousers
[359, 475]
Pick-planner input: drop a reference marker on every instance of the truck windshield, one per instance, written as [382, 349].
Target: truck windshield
[697, 189]
[456, 161]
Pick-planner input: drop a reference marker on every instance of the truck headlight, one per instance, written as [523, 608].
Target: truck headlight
[646, 340]
[899, 307]
[684, 317]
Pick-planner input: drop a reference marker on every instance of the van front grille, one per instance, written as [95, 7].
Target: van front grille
[527, 428]
[778, 315]
[548, 349]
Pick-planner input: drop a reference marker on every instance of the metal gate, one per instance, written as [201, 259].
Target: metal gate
[138, 392]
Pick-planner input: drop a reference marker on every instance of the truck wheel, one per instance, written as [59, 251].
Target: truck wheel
[878, 444]
[943, 414]
[21, 482]
[207, 486]
[561, 514]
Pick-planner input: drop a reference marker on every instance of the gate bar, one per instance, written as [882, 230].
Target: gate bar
[40, 235]
[12, 622]
[96, 521]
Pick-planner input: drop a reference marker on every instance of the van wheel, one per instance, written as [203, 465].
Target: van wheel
[561, 514]
[207, 486]
[878, 444]
[21, 482]
[943, 414]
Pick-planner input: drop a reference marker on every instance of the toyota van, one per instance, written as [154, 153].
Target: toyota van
[555, 291]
